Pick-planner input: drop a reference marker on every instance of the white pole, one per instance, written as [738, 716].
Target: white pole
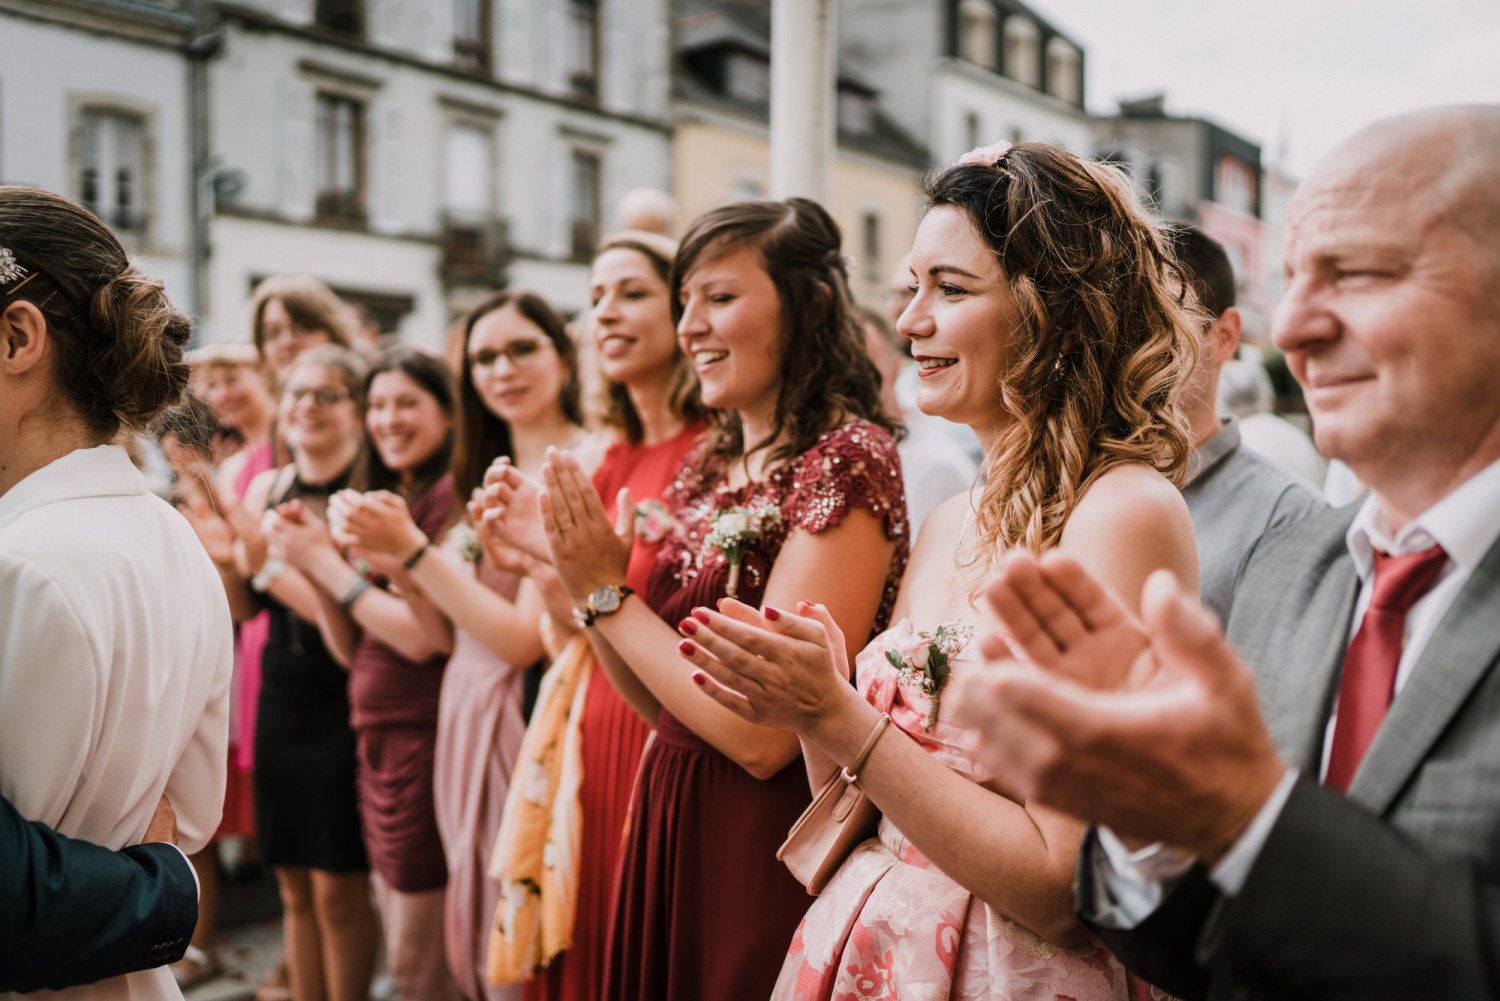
[803, 74]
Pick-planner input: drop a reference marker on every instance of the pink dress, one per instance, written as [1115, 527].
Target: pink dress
[478, 740]
[891, 925]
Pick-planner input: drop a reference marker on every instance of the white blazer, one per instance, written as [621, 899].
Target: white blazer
[116, 649]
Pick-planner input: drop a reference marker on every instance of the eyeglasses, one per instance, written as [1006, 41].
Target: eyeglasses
[323, 396]
[518, 353]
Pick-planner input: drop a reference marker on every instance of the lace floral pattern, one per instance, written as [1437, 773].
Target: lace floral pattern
[852, 466]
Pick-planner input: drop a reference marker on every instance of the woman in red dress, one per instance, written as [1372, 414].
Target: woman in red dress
[796, 490]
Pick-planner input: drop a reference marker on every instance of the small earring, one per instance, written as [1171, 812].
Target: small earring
[1057, 369]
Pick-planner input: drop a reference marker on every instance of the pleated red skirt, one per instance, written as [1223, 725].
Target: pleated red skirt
[703, 909]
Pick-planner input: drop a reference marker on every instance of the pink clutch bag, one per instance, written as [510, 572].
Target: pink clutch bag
[840, 817]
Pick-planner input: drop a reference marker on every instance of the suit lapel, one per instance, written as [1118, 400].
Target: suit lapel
[1299, 675]
[1464, 647]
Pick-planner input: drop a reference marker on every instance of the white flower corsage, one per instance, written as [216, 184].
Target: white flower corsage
[733, 530]
[927, 664]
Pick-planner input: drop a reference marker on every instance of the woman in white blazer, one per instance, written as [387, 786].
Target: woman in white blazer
[115, 639]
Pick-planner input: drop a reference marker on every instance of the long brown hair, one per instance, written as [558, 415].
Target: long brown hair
[826, 375]
[683, 391]
[117, 339]
[1104, 341]
[482, 437]
[434, 378]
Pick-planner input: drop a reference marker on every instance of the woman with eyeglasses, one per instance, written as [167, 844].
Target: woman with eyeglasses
[518, 395]
[582, 731]
[395, 669]
[307, 816]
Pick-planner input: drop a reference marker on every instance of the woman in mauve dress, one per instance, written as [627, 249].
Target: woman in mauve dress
[518, 395]
[1047, 318]
[796, 490]
[653, 404]
[395, 670]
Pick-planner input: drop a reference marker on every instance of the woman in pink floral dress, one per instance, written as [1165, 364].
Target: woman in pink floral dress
[1046, 318]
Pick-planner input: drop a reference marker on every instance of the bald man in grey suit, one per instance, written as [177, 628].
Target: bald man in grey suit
[1250, 846]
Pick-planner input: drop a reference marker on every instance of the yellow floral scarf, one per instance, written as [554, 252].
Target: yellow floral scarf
[537, 847]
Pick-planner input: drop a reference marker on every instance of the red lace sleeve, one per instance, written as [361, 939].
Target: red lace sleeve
[852, 466]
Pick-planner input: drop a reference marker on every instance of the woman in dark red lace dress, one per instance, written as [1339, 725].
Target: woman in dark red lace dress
[796, 491]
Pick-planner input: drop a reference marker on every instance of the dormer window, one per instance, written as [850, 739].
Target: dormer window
[747, 78]
[976, 33]
[856, 113]
[1022, 60]
[1062, 71]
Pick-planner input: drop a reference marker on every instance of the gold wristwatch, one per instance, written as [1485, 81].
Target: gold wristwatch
[602, 601]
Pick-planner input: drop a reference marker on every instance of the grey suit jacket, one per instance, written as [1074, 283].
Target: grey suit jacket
[1390, 892]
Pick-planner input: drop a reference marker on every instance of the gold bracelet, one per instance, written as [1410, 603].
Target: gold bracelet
[851, 771]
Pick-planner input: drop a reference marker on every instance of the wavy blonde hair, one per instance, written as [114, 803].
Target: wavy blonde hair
[1104, 340]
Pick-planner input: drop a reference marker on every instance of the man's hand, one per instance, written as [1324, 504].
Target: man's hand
[1173, 750]
[1056, 616]
[163, 826]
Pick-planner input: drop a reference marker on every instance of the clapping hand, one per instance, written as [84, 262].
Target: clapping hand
[377, 523]
[587, 551]
[1160, 740]
[770, 667]
[217, 537]
[297, 534]
[511, 514]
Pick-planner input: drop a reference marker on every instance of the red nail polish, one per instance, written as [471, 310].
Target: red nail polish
[700, 679]
[688, 626]
[701, 614]
[686, 648]
[771, 614]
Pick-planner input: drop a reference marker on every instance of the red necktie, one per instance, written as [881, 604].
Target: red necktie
[1369, 680]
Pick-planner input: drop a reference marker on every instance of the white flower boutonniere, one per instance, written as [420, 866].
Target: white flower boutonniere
[927, 664]
[733, 530]
[468, 543]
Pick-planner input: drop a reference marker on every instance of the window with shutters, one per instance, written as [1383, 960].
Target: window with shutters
[111, 177]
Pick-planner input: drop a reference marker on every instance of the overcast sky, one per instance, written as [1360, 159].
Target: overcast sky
[1294, 75]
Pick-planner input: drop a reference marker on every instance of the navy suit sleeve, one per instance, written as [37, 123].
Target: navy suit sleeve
[73, 913]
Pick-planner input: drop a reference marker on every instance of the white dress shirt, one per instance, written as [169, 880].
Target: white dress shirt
[115, 654]
[1466, 523]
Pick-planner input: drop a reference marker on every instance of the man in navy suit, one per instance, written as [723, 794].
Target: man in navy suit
[74, 912]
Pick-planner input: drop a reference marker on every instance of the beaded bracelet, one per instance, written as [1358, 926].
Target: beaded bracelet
[411, 561]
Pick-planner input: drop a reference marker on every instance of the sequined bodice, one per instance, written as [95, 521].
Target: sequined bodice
[852, 466]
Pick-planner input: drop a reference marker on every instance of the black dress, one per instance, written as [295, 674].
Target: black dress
[305, 808]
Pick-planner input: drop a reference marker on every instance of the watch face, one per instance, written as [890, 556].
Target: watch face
[605, 600]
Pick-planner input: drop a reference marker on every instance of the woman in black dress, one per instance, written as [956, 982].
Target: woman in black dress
[305, 805]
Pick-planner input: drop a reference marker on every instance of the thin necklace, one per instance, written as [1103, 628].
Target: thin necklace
[960, 559]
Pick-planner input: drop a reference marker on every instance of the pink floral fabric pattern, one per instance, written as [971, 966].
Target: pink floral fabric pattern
[890, 925]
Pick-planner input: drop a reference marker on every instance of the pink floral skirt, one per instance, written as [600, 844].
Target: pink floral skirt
[891, 925]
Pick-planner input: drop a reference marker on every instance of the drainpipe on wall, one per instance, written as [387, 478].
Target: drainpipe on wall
[201, 47]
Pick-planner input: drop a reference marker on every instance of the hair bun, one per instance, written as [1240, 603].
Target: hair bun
[143, 369]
